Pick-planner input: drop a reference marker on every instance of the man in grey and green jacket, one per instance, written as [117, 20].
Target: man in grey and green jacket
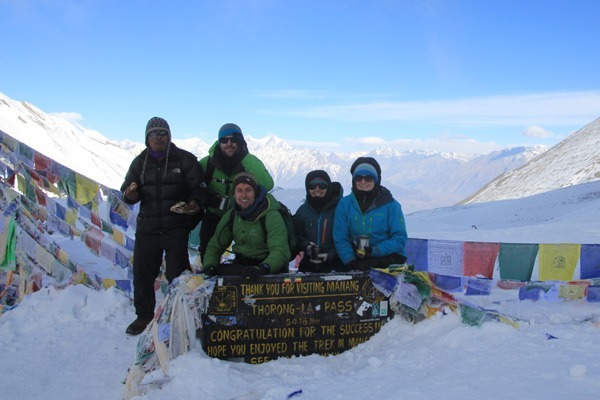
[227, 157]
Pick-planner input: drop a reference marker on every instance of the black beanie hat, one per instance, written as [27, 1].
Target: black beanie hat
[367, 160]
[157, 124]
[317, 174]
[247, 178]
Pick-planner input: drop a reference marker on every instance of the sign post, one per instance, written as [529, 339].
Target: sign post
[290, 315]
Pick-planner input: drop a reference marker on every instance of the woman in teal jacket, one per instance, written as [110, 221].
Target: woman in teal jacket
[260, 248]
[370, 211]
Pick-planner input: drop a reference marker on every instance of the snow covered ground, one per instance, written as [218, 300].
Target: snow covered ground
[70, 344]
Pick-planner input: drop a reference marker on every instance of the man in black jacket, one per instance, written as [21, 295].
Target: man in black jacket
[168, 183]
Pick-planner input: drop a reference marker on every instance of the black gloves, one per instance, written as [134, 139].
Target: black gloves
[254, 272]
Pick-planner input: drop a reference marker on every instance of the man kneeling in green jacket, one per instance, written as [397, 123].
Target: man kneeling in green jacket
[260, 247]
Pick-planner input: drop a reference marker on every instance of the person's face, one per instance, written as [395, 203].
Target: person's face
[158, 140]
[244, 195]
[229, 145]
[364, 183]
[317, 189]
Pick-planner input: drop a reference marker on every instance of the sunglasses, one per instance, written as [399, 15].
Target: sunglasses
[320, 185]
[226, 139]
[155, 134]
[366, 178]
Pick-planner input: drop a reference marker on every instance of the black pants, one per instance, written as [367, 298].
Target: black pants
[207, 230]
[147, 260]
[379, 262]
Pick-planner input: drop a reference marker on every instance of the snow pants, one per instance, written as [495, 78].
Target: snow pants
[147, 260]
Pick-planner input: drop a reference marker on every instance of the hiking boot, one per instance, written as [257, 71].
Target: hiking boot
[137, 326]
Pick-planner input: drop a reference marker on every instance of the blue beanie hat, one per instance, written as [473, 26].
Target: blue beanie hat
[230, 130]
[366, 169]
[366, 166]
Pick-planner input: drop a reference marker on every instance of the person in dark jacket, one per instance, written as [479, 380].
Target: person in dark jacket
[227, 157]
[257, 229]
[369, 229]
[313, 223]
[167, 181]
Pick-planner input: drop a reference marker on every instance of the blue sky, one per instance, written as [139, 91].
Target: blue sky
[447, 75]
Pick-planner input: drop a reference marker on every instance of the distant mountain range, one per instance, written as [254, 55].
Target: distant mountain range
[419, 179]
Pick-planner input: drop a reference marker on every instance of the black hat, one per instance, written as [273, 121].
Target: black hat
[247, 178]
[157, 124]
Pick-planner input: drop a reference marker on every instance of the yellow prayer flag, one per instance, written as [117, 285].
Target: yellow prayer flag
[63, 257]
[118, 237]
[571, 292]
[108, 283]
[86, 189]
[21, 184]
[558, 261]
[71, 217]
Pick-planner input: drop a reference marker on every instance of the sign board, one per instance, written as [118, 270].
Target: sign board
[292, 314]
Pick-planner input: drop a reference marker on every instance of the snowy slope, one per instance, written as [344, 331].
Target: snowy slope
[574, 160]
[70, 344]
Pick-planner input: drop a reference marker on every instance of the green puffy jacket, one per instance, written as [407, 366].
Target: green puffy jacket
[221, 184]
[248, 236]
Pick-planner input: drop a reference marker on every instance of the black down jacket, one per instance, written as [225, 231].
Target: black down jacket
[159, 191]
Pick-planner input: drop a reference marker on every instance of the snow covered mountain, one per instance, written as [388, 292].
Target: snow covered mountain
[418, 179]
[83, 150]
[573, 161]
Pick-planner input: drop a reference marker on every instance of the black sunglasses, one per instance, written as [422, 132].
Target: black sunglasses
[155, 134]
[232, 139]
[320, 185]
[366, 178]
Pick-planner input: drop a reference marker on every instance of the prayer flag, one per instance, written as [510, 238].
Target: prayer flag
[480, 258]
[593, 294]
[516, 260]
[93, 239]
[417, 253]
[449, 283]
[558, 261]
[86, 189]
[481, 287]
[446, 257]
[40, 161]
[590, 261]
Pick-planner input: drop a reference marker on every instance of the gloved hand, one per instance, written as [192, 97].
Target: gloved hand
[253, 272]
[308, 250]
[209, 270]
[186, 208]
[365, 252]
[131, 193]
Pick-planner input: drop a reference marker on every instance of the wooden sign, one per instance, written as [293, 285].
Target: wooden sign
[290, 315]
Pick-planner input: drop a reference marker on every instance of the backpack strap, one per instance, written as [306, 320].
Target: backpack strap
[210, 170]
